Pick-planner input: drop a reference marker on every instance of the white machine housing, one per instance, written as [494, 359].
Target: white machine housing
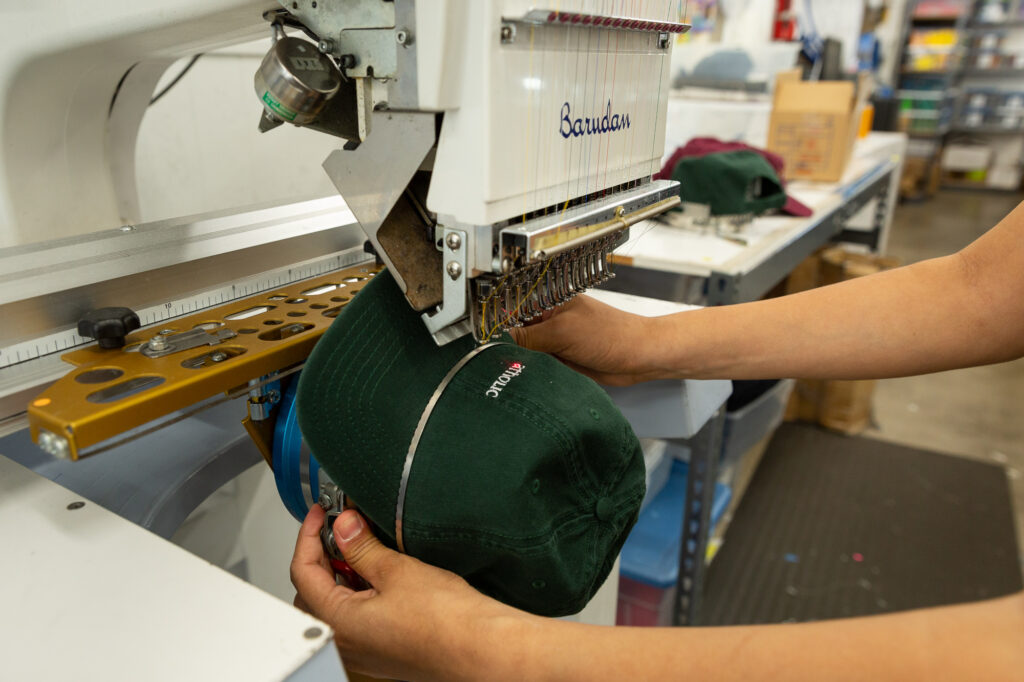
[553, 123]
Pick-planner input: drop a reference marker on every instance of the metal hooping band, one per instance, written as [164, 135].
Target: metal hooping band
[418, 433]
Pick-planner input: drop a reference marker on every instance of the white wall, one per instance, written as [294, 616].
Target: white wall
[747, 22]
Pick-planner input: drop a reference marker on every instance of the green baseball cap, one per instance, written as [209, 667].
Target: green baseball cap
[495, 462]
[732, 183]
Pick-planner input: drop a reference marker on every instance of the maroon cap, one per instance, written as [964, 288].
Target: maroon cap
[794, 207]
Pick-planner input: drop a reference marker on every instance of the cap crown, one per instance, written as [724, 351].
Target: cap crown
[526, 479]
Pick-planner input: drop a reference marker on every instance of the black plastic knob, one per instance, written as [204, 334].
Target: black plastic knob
[109, 326]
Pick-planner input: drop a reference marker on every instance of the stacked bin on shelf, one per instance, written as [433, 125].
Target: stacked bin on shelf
[985, 51]
[650, 557]
[925, 111]
[991, 109]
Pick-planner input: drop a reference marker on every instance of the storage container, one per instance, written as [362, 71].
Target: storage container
[752, 422]
[650, 557]
[658, 464]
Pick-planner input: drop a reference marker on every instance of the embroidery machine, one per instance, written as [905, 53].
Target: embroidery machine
[492, 154]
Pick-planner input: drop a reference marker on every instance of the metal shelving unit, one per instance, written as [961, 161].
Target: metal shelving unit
[725, 288]
[934, 88]
[982, 109]
[960, 115]
[995, 72]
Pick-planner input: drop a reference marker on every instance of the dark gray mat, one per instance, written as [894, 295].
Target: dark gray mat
[833, 526]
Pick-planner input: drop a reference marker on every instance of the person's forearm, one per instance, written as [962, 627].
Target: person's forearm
[927, 317]
[958, 311]
[974, 641]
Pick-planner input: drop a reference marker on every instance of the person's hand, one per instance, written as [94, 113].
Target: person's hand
[416, 621]
[609, 345]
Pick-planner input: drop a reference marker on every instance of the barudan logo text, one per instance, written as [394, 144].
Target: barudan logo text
[574, 127]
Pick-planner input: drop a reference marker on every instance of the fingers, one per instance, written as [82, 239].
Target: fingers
[364, 552]
[539, 335]
[313, 581]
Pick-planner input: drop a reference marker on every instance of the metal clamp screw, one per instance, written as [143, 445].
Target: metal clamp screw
[53, 444]
[219, 356]
[454, 241]
[454, 270]
[158, 342]
[326, 45]
[330, 496]
[508, 33]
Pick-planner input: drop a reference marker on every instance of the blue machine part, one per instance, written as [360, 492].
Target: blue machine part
[296, 471]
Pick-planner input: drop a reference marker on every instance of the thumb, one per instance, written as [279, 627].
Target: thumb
[363, 551]
[520, 335]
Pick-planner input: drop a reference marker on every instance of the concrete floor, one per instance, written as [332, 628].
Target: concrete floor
[972, 412]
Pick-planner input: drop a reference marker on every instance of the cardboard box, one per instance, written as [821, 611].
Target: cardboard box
[921, 178]
[814, 124]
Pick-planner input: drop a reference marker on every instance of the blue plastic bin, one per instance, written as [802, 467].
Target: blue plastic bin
[650, 557]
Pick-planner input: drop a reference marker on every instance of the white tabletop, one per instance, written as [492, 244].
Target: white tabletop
[89, 596]
[687, 251]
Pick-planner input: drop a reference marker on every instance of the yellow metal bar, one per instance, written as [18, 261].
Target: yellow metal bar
[79, 406]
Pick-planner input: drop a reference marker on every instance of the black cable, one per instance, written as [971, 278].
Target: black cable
[191, 63]
[117, 89]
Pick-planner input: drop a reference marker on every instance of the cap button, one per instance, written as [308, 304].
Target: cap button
[605, 509]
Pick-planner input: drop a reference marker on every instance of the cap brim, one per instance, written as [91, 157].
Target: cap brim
[796, 208]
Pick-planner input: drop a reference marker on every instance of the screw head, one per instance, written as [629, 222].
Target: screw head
[326, 45]
[454, 241]
[454, 270]
[127, 228]
[158, 342]
[508, 33]
[54, 445]
[403, 37]
[219, 356]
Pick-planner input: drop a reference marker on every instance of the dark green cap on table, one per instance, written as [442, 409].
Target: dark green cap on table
[732, 183]
[526, 480]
